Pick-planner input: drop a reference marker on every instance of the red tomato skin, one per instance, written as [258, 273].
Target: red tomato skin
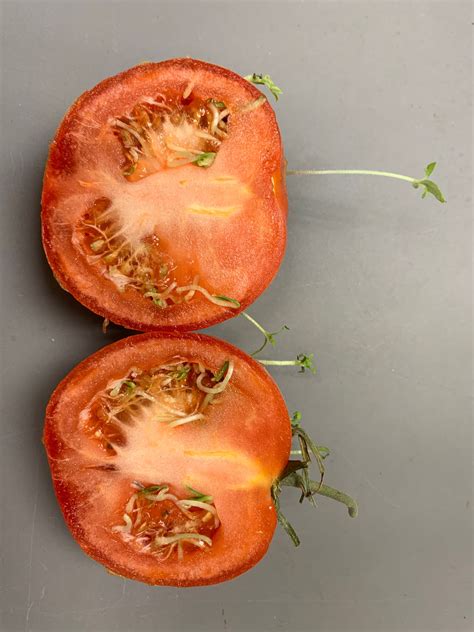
[276, 432]
[61, 163]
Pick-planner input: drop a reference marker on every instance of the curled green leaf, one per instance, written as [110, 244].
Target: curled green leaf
[429, 187]
[267, 81]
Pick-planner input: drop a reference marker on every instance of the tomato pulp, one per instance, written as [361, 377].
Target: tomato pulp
[164, 202]
[163, 449]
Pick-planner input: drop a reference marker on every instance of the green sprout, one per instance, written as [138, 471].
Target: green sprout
[265, 80]
[429, 186]
[269, 337]
[302, 360]
[296, 474]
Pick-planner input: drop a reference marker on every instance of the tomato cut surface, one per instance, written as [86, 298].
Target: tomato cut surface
[164, 201]
[163, 449]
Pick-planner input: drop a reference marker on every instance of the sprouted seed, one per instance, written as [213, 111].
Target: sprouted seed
[143, 268]
[157, 522]
[159, 133]
[176, 394]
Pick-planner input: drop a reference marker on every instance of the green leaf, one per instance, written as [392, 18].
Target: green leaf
[296, 418]
[221, 372]
[267, 81]
[219, 104]
[306, 362]
[433, 188]
[205, 159]
[221, 297]
[429, 169]
[199, 496]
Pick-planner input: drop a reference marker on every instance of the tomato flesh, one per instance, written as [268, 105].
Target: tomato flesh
[164, 190]
[133, 418]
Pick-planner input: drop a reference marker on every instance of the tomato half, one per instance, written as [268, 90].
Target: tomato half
[164, 202]
[163, 449]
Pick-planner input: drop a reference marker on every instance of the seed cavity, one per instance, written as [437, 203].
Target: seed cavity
[142, 266]
[157, 522]
[167, 132]
[175, 394]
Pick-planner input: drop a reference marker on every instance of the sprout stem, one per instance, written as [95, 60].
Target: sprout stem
[279, 362]
[356, 172]
[254, 322]
[428, 186]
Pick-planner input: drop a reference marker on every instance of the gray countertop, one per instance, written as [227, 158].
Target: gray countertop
[376, 282]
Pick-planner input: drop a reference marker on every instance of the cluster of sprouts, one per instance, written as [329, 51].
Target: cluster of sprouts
[176, 394]
[145, 268]
[158, 522]
[159, 133]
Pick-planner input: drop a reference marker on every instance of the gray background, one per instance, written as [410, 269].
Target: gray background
[376, 282]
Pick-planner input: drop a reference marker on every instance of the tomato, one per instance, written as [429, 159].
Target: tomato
[163, 449]
[164, 201]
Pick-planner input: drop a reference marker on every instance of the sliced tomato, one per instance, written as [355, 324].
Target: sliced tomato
[151, 487]
[164, 189]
